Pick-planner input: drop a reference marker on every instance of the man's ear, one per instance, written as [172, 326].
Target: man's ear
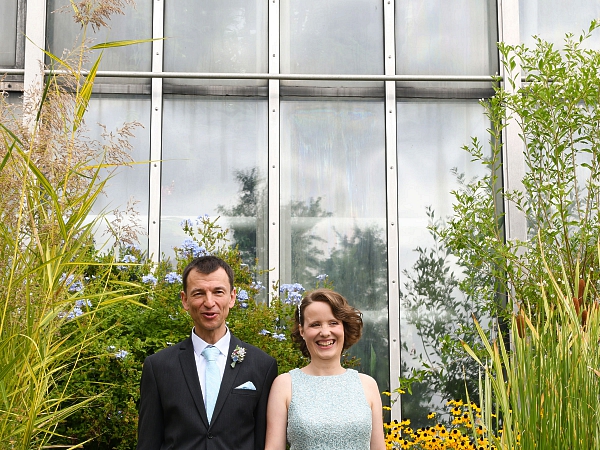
[184, 302]
[233, 297]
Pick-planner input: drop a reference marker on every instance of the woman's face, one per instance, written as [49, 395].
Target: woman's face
[322, 332]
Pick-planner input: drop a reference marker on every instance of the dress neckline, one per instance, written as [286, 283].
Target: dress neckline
[324, 376]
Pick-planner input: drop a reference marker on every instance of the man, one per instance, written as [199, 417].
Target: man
[176, 394]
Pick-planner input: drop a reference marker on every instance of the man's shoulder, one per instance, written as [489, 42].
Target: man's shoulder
[254, 351]
[171, 351]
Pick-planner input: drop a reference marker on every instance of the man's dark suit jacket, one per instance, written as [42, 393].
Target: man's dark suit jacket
[172, 412]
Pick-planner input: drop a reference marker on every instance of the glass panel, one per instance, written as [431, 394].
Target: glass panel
[450, 37]
[333, 210]
[131, 183]
[332, 37]
[551, 19]
[136, 23]
[216, 36]
[430, 139]
[8, 30]
[215, 163]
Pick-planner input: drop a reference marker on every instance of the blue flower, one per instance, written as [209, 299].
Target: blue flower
[191, 247]
[242, 295]
[75, 312]
[257, 285]
[186, 224]
[121, 354]
[173, 277]
[295, 287]
[83, 302]
[70, 283]
[149, 279]
[76, 287]
[132, 247]
[279, 337]
[322, 277]
[202, 219]
[129, 259]
[244, 305]
[264, 332]
[294, 293]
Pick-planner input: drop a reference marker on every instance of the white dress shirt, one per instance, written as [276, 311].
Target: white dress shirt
[199, 346]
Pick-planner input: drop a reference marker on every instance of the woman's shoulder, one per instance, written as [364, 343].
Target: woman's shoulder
[283, 380]
[369, 384]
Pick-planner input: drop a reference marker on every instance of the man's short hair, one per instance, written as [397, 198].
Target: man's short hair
[207, 265]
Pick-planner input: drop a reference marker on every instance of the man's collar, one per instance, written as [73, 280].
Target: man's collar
[222, 344]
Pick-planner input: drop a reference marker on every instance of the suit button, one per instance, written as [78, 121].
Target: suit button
[210, 436]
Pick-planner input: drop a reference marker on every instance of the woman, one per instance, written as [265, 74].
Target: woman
[323, 405]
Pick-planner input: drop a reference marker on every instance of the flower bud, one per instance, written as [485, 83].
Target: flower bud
[520, 319]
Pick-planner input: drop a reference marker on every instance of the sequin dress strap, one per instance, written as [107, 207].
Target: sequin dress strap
[328, 413]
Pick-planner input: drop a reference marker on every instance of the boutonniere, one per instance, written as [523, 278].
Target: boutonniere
[238, 355]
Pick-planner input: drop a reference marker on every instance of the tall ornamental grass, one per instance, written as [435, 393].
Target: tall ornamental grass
[50, 179]
[544, 391]
[540, 374]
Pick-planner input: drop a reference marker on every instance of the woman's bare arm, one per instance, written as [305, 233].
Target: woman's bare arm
[277, 411]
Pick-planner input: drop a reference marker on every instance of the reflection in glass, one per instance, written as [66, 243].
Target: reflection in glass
[136, 23]
[456, 37]
[333, 212]
[8, 28]
[337, 36]
[216, 36]
[214, 162]
[552, 19]
[128, 185]
[431, 135]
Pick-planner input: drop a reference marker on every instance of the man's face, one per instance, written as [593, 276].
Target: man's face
[208, 299]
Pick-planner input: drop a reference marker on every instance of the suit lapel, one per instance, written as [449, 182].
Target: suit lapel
[228, 380]
[190, 372]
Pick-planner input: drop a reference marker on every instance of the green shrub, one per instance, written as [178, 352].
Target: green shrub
[130, 332]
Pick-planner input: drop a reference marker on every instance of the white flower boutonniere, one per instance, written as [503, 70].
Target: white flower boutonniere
[238, 355]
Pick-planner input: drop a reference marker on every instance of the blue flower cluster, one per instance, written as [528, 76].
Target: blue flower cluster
[119, 354]
[188, 224]
[279, 337]
[173, 277]
[77, 309]
[128, 259]
[242, 297]
[149, 279]
[191, 247]
[322, 277]
[72, 285]
[257, 286]
[294, 293]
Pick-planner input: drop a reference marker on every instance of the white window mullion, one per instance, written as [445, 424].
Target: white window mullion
[274, 166]
[156, 132]
[513, 156]
[392, 201]
[35, 30]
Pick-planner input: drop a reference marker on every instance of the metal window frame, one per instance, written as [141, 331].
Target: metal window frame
[32, 19]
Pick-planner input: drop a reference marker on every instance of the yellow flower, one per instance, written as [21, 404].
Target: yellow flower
[431, 415]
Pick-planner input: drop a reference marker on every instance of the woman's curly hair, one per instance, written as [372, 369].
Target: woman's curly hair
[350, 317]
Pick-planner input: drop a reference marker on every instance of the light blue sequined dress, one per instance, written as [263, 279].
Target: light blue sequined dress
[328, 413]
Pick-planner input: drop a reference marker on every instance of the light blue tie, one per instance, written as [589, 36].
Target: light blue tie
[212, 379]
